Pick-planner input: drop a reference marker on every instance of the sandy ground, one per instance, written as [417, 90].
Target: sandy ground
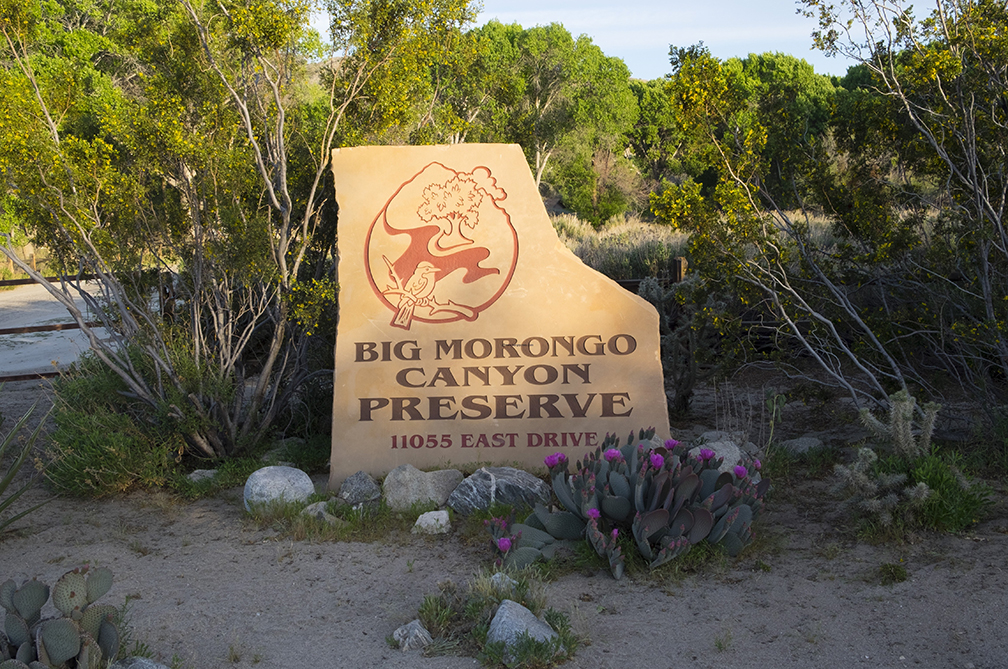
[211, 590]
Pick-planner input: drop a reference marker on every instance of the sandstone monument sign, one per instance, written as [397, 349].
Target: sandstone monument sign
[467, 331]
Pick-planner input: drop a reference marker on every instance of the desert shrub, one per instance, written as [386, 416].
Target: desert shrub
[104, 442]
[624, 248]
[955, 502]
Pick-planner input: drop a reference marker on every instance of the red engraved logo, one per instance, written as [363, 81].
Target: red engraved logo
[443, 248]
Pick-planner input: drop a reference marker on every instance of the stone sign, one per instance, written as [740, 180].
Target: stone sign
[467, 331]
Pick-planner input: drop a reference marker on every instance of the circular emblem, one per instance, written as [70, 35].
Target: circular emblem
[443, 248]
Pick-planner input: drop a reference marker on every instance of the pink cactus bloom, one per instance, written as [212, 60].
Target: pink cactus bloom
[615, 533]
[671, 443]
[503, 544]
[741, 471]
[555, 459]
[594, 513]
[657, 461]
[612, 454]
[706, 454]
[757, 464]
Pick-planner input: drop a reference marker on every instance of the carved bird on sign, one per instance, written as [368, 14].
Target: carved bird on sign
[417, 291]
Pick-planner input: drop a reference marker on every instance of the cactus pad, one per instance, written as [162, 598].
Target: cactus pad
[561, 525]
[92, 618]
[62, 640]
[70, 592]
[99, 581]
[518, 558]
[108, 639]
[25, 652]
[617, 508]
[13, 664]
[7, 589]
[29, 600]
[16, 629]
[530, 536]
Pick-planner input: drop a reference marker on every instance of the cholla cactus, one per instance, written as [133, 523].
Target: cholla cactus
[877, 494]
[900, 431]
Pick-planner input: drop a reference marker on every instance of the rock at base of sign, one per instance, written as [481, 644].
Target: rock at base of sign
[277, 483]
[432, 522]
[360, 488]
[406, 485]
[504, 485]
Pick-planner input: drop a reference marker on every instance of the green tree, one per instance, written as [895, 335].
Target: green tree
[795, 105]
[591, 173]
[770, 259]
[655, 138]
[190, 136]
[947, 75]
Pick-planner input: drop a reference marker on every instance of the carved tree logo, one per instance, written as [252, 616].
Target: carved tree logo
[443, 248]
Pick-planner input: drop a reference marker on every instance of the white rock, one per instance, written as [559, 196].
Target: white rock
[276, 483]
[432, 522]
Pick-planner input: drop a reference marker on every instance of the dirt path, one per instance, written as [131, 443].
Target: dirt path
[211, 590]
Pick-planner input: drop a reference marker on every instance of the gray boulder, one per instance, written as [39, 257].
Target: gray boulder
[511, 620]
[276, 483]
[406, 485]
[506, 485]
[412, 636]
[360, 489]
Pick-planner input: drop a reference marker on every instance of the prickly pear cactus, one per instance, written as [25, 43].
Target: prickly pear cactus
[86, 638]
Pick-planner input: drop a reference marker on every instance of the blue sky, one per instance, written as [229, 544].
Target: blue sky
[640, 31]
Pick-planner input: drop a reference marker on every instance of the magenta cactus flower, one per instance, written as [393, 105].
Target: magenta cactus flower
[706, 454]
[671, 443]
[657, 461]
[612, 454]
[741, 471]
[615, 533]
[503, 544]
[757, 464]
[555, 459]
[594, 514]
